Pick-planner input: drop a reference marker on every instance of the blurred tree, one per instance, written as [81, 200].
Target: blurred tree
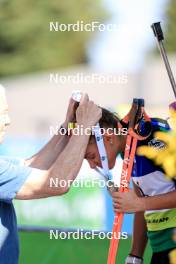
[170, 26]
[27, 45]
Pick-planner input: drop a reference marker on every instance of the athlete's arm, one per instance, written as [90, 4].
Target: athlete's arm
[139, 239]
[162, 201]
[44, 159]
[67, 165]
[129, 202]
[63, 171]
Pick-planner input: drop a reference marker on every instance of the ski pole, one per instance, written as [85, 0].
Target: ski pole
[132, 119]
[160, 37]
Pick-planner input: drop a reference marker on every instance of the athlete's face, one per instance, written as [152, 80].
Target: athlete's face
[112, 145]
[4, 117]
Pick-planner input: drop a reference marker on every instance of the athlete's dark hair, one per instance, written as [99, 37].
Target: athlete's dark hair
[108, 119]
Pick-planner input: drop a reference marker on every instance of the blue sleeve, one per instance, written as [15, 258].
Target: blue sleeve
[14, 160]
[12, 177]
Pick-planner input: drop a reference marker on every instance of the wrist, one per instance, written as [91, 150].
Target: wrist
[86, 123]
[132, 259]
[63, 130]
[141, 204]
[135, 254]
[80, 139]
[65, 124]
[85, 126]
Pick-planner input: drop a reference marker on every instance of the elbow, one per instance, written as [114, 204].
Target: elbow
[59, 184]
[57, 191]
[63, 190]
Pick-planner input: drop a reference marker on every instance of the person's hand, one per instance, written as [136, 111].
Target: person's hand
[127, 202]
[112, 187]
[71, 112]
[88, 113]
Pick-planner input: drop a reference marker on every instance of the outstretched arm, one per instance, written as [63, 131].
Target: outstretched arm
[67, 165]
[44, 159]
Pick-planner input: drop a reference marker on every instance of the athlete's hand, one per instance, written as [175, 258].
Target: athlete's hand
[88, 113]
[127, 202]
[71, 110]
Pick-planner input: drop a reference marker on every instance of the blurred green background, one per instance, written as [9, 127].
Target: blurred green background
[27, 45]
[37, 248]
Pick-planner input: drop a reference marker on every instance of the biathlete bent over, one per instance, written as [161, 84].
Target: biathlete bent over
[153, 199]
